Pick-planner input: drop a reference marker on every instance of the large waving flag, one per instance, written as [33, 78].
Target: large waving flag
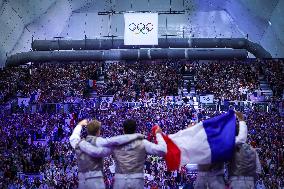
[210, 141]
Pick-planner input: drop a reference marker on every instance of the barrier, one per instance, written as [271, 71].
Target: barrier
[99, 103]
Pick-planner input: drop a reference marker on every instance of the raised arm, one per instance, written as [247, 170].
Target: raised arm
[118, 140]
[243, 130]
[76, 135]
[160, 148]
[92, 150]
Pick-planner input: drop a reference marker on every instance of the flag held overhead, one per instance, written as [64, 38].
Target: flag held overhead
[210, 141]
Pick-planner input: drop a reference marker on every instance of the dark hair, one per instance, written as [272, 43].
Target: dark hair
[237, 127]
[129, 126]
[93, 127]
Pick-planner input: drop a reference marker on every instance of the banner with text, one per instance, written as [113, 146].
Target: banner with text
[207, 99]
[23, 101]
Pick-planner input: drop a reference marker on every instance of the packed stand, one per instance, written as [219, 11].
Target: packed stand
[266, 134]
[134, 81]
[10, 80]
[142, 80]
[49, 82]
[274, 71]
[56, 161]
[226, 80]
[33, 144]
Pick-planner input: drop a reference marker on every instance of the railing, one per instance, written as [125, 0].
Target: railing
[46, 108]
[99, 103]
[244, 106]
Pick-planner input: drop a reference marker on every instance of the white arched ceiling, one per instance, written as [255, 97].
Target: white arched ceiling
[202, 18]
[261, 20]
[15, 15]
[273, 38]
[45, 26]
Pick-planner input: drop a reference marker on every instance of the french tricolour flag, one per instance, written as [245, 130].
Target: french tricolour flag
[70, 120]
[92, 83]
[210, 141]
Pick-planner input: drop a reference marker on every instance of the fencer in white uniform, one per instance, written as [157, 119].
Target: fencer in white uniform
[130, 157]
[90, 160]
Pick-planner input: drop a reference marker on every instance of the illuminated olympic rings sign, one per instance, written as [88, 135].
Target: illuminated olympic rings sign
[141, 28]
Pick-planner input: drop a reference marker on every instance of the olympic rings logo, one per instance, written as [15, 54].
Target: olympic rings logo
[141, 28]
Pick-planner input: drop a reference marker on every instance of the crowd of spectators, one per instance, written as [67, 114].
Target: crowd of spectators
[266, 134]
[55, 160]
[51, 82]
[274, 71]
[133, 81]
[142, 80]
[35, 151]
[10, 81]
[227, 80]
[36, 144]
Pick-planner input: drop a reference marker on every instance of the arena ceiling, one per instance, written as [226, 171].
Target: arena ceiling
[20, 20]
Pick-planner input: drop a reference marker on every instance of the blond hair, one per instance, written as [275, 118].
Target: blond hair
[93, 127]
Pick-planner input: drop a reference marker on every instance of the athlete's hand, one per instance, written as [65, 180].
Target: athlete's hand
[158, 130]
[84, 122]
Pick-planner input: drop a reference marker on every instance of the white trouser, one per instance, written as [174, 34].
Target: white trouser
[129, 181]
[210, 180]
[241, 182]
[91, 180]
